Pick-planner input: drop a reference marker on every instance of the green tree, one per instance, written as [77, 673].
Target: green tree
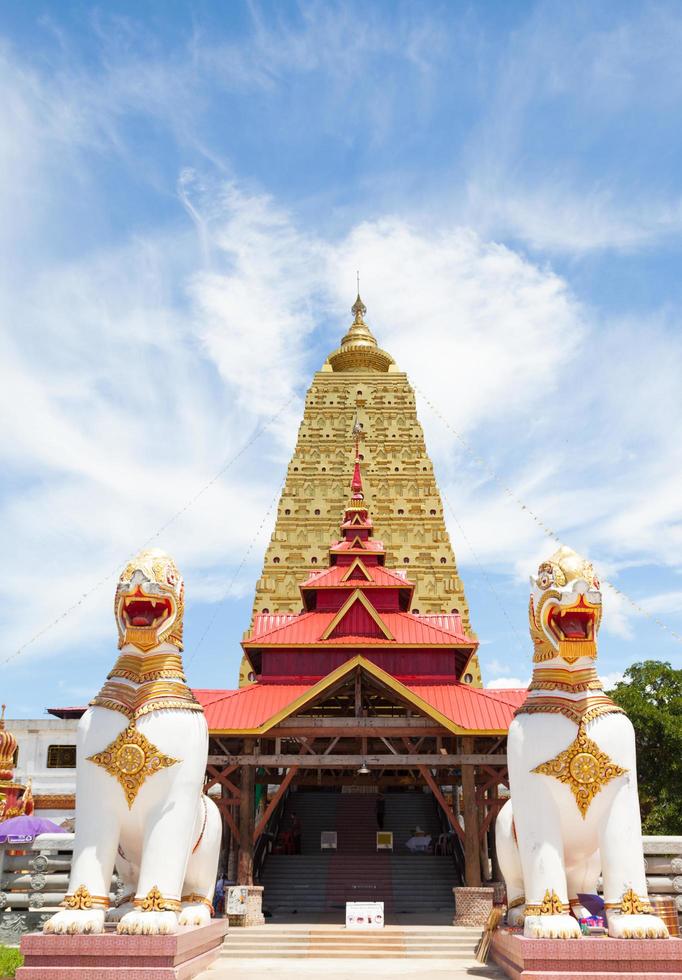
[651, 694]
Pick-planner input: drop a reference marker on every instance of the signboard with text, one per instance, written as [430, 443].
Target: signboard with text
[364, 915]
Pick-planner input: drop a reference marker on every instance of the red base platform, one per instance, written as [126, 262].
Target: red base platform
[587, 958]
[113, 957]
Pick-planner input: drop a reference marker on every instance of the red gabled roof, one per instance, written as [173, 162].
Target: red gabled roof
[265, 622]
[405, 628]
[369, 544]
[471, 707]
[334, 578]
[465, 707]
[247, 708]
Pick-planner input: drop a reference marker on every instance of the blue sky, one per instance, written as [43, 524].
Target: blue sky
[187, 190]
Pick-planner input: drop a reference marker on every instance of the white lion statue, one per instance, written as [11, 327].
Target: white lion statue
[142, 750]
[574, 809]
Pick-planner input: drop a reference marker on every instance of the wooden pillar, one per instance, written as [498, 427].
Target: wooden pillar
[472, 863]
[246, 819]
[497, 874]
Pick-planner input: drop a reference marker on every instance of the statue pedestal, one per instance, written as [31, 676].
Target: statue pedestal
[111, 957]
[587, 958]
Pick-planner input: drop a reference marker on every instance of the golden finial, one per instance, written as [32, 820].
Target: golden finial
[2, 716]
[358, 308]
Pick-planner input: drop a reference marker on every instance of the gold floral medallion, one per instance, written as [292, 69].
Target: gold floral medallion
[583, 767]
[132, 758]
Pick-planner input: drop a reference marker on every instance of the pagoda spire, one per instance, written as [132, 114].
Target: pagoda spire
[359, 349]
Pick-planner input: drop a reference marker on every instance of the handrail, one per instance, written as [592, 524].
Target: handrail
[268, 836]
[457, 849]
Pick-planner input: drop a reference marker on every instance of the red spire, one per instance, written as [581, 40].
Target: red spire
[356, 482]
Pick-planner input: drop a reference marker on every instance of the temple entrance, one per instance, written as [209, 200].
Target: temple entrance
[361, 792]
[411, 865]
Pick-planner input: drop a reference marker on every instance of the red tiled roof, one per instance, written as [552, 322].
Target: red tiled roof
[471, 707]
[467, 707]
[333, 577]
[371, 544]
[264, 622]
[405, 628]
[248, 707]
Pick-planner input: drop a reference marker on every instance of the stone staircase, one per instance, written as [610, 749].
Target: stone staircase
[314, 882]
[335, 942]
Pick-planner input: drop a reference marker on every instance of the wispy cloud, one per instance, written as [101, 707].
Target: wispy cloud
[172, 274]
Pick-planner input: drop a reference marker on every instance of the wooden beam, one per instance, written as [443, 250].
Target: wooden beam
[348, 761]
[331, 745]
[472, 861]
[246, 815]
[293, 725]
[435, 789]
[225, 808]
[270, 809]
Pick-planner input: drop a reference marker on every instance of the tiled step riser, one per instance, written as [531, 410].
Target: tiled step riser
[285, 954]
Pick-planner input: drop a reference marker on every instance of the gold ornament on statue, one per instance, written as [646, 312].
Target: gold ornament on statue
[583, 767]
[132, 758]
[551, 905]
[155, 902]
[83, 901]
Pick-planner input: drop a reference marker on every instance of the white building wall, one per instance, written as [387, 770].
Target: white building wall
[34, 736]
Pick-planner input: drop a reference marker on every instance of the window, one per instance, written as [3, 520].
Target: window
[61, 757]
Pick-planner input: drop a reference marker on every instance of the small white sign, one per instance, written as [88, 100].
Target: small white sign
[328, 840]
[236, 900]
[364, 915]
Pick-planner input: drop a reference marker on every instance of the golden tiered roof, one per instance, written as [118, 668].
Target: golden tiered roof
[361, 387]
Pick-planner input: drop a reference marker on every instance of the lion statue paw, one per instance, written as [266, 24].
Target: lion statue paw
[75, 921]
[637, 927]
[138, 923]
[194, 915]
[551, 927]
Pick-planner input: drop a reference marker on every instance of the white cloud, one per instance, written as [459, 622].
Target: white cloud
[502, 683]
[131, 374]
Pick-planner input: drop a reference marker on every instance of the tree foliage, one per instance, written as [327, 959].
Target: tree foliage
[651, 694]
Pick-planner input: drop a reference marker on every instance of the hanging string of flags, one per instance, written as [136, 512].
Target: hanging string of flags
[498, 598]
[245, 557]
[482, 463]
[157, 534]
[493, 475]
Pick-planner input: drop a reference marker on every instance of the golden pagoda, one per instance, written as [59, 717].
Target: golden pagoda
[361, 390]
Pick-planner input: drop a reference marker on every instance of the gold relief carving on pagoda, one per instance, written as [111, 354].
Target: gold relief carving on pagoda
[398, 476]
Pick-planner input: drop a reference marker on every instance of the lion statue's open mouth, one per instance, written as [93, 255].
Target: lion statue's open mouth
[150, 602]
[565, 608]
